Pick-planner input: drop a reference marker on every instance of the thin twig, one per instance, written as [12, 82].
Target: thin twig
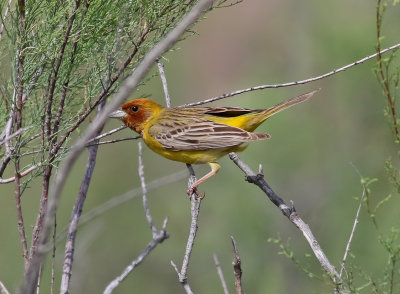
[108, 133]
[220, 274]
[301, 82]
[21, 175]
[144, 192]
[164, 82]
[291, 214]
[157, 239]
[21, 226]
[194, 210]
[237, 268]
[384, 79]
[113, 141]
[127, 87]
[351, 234]
[14, 135]
[53, 256]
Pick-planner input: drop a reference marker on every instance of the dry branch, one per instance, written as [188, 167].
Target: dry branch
[220, 274]
[291, 214]
[301, 82]
[237, 268]
[158, 238]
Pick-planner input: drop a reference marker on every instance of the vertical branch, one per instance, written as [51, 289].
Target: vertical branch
[144, 192]
[18, 125]
[158, 236]
[47, 129]
[220, 274]
[164, 82]
[21, 227]
[237, 268]
[194, 210]
[384, 79]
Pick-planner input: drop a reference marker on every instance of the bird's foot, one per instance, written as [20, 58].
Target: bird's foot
[197, 194]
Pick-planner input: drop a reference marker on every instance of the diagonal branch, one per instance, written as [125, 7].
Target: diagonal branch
[291, 214]
[157, 239]
[301, 82]
[351, 234]
[76, 213]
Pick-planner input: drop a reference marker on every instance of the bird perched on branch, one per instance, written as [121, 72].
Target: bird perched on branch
[197, 135]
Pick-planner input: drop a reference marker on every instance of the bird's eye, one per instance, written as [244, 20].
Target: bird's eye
[135, 108]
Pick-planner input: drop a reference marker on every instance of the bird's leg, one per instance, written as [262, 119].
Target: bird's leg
[214, 169]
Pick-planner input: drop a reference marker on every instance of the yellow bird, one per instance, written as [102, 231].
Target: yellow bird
[197, 135]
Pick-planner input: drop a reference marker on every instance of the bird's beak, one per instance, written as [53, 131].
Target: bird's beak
[117, 114]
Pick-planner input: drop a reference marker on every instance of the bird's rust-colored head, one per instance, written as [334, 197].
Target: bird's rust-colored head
[136, 113]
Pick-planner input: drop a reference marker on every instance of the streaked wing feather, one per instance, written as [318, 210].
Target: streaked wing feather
[201, 134]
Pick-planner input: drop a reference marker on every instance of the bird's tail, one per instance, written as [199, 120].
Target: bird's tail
[288, 103]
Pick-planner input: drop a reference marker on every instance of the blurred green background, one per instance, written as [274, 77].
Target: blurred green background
[309, 160]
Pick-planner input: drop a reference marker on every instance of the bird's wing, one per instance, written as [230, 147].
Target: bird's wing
[200, 134]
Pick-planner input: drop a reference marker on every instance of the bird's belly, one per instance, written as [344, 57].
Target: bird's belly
[197, 156]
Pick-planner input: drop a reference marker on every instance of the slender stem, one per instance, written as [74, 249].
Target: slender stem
[301, 82]
[291, 214]
[76, 213]
[237, 268]
[21, 226]
[164, 82]
[157, 239]
[351, 234]
[384, 79]
[220, 274]
[144, 192]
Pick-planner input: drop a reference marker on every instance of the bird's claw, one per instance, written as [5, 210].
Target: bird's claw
[197, 194]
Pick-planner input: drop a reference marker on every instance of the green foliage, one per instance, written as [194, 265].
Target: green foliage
[73, 54]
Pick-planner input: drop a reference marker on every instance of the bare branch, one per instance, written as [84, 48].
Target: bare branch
[114, 141]
[22, 174]
[108, 133]
[194, 210]
[220, 274]
[158, 238]
[164, 82]
[14, 135]
[291, 214]
[144, 192]
[351, 234]
[237, 268]
[21, 226]
[128, 86]
[301, 82]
